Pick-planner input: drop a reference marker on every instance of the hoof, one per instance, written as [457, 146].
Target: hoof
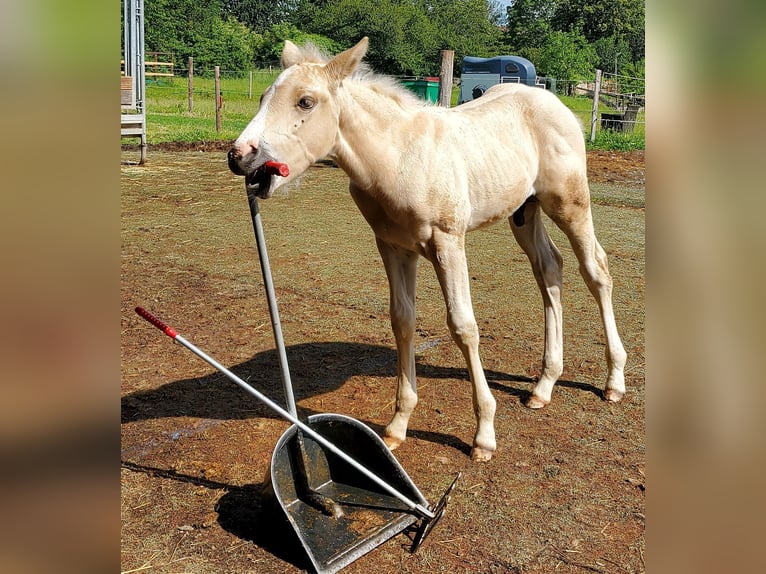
[479, 454]
[392, 443]
[613, 396]
[535, 402]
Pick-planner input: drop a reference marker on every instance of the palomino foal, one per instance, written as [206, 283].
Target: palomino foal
[423, 176]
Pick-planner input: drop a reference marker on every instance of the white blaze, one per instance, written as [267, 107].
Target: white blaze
[251, 135]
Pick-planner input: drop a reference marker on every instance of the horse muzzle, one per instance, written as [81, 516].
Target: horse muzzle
[234, 157]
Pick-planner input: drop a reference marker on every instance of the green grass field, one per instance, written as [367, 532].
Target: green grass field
[169, 119]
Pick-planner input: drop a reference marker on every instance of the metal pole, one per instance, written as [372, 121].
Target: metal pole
[268, 283]
[191, 84]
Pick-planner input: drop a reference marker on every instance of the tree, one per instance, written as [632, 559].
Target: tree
[568, 57]
[470, 28]
[560, 36]
[174, 25]
[529, 24]
[633, 78]
[406, 35]
[402, 40]
[528, 28]
[192, 28]
[269, 45]
[612, 54]
[594, 19]
[229, 45]
[260, 15]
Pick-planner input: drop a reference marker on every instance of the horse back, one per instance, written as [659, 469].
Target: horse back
[525, 108]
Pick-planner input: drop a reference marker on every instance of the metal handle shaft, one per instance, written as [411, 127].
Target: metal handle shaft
[276, 325]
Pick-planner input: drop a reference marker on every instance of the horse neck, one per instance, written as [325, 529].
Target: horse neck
[372, 125]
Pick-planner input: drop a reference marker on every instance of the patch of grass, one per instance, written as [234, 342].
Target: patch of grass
[617, 141]
[168, 117]
[582, 107]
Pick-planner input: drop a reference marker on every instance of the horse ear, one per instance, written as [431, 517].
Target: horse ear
[346, 62]
[291, 55]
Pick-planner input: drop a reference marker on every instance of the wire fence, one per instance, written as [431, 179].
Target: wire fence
[611, 84]
[621, 106]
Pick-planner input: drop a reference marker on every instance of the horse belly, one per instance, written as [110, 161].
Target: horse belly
[498, 203]
[396, 225]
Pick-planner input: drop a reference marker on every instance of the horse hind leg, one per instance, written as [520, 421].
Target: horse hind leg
[574, 218]
[546, 261]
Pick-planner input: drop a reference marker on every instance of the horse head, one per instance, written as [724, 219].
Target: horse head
[298, 118]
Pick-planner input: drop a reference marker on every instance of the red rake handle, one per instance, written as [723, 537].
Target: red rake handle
[169, 331]
[276, 168]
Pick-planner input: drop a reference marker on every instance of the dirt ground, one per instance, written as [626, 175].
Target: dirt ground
[565, 491]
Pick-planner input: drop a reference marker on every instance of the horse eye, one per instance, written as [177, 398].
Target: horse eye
[306, 103]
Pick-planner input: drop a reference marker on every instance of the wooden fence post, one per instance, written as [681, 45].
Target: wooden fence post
[191, 84]
[445, 77]
[218, 101]
[594, 113]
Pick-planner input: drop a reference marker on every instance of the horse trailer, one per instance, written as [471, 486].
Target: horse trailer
[478, 74]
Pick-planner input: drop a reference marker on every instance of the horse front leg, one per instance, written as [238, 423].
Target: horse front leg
[448, 258]
[401, 268]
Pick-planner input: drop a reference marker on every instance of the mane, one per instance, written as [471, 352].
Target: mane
[384, 85]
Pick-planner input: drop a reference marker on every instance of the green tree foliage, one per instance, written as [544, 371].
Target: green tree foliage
[622, 20]
[631, 80]
[528, 28]
[563, 38]
[612, 53]
[469, 27]
[407, 35]
[269, 45]
[566, 56]
[260, 15]
[566, 39]
[192, 28]
[402, 39]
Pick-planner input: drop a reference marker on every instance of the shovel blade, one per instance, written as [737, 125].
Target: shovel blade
[370, 515]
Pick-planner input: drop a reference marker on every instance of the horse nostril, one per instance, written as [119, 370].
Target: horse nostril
[234, 154]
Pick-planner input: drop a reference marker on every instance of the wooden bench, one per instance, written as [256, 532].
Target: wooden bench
[131, 124]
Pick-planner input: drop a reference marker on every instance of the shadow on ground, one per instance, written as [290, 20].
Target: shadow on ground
[315, 368]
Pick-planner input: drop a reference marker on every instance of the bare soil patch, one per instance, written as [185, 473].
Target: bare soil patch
[566, 489]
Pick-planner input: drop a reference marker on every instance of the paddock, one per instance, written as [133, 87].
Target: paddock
[565, 491]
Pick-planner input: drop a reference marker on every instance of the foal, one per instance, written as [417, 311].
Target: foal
[423, 176]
